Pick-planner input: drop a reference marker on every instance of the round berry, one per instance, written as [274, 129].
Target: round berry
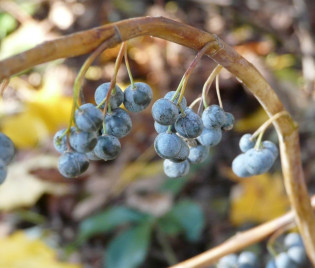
[169, 95]
[118, 123]
[229, 121]
[7, 149]
[210, 137]
[284, 261]
[258, 161]
[239, 166]
[272, 147]
[183, 153]
[3, 171]
[247, 257]
[137, 98]
[108, 147]
[72, 164]
[88, 117]
[213, 117]
[116, 98]
[189, 125]
[82, 142]
[198, 154]
[293, 239]
[228, 261]
[165, 112]
[297, 254]
[175, 169]
[246, 143]
[60, 144]
[168, 145]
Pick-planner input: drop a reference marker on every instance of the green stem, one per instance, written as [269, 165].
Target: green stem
[167, 249]
[128, 68]
[208, 83]
[259, 139]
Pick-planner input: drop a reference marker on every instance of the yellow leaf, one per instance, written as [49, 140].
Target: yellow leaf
[17, 250]
[21, 188]
[258, 199]
[252, 122]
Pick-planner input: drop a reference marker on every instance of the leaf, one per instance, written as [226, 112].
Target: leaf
[258, 199]
[22, 189]
[18, 250]
[107, 220]
[169, 225]
[188, 215]
[129, 248]
[174, 186]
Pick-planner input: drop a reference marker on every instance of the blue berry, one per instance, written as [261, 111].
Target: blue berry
[198, 154]
[82, 142]
[247, 257]
[116, 98]
[7, 149]
[137, 98]
[169, 95]
[229, 121]
[297, 254]
[118, 123]
[72, 164]
[284, 261]
[61, 144]
[293, 239]
[168, 145]
[161, 128]
[210, 137]
[88, 117]
[175, 169]
[183, 153]
[239, 166]
[107, 148]
[165, 112]
[258, 161]
[3, 171]
[190, 125]
[272, 147]
[213, 117]
[228, 261]
[246, 143]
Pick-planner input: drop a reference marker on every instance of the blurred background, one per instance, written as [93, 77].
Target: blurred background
[126, 213]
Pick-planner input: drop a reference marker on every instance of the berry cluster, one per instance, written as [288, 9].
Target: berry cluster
[7, 152]
[294, 255]
[183, 136]
[253, 160]
[246, 259]
[95, 136]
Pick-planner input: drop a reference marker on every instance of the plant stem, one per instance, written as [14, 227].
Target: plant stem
[208, 83]
[195, 102]
[218, 90]
[167, 249]
[4, 85]
[128, 68]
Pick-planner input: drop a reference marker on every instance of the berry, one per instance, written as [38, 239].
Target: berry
[3, 171]
[297, 254]
[82, 142]
[169, 95]
[107, 148]
[161, 128]
[175, 169]
[88, 117]
[72, 164]
[258, 161]
[293, 239]
[92, 156]
[229, 121]
[190, 125]
[247, 257]
[284, 261]
[198, 154]
[165, 112]
[118, 123]
[272, 147]
[116, 98]
[7, 149]
[213, 117]
[168, 145]
[239, 166]
[210, 137]
[61, 144]
[228, 261]
[137, 98]
[246, 143]
[183, 153]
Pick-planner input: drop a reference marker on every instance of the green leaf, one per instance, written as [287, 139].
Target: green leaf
[174, 186]
[169, 225]
[107, 220]
[190, 216]
[129, 248]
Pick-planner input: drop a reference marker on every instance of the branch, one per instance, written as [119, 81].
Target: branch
[84, 42]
